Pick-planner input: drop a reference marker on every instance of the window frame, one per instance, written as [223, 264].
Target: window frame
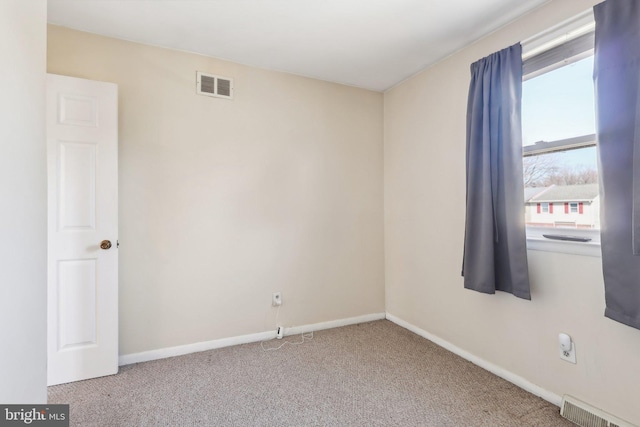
[544, 207]
[565, 44]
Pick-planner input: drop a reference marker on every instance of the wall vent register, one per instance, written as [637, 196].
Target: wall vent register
[585, 415]
[213, 85]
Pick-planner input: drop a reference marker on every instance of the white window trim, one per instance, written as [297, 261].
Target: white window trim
[536, 242]
[559, 34]
[566, 31]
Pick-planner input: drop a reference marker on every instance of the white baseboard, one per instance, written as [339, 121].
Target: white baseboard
[162, 353]
[334, 323]
[494, 369]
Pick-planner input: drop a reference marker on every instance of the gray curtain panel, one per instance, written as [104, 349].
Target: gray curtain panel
[495, 252]
[616, 77]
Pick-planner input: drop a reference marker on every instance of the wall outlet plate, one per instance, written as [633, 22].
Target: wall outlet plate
[569, 356]
[276, 299]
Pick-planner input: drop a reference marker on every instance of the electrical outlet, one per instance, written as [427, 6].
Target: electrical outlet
[569, 355]
[276, 299]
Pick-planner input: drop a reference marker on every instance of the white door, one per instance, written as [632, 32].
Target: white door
[82, 152]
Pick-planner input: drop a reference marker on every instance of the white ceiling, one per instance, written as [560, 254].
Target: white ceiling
[372, 44]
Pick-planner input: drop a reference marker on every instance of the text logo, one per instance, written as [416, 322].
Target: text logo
[34, 415]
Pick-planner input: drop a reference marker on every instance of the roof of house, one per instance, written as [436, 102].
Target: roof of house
[567, 193]
[529, 192]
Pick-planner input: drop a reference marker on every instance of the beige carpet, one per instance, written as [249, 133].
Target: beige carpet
[372, 374]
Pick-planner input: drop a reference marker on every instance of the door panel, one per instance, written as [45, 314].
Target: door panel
[82, 152]
[76, 303]
[76, 185]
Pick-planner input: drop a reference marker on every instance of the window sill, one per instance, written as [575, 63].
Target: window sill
[536, 242]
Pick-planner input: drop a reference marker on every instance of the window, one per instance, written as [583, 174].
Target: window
[573, 207]
[558, 122]
[545, 207]
[559, 141]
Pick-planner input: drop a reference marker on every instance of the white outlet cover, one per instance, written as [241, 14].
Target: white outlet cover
[276, 299]
[569, 356]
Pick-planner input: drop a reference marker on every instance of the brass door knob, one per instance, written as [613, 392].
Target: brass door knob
[105, 244]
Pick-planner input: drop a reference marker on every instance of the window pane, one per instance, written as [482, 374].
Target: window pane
[561, 189]
[572, 167]
[559, 104]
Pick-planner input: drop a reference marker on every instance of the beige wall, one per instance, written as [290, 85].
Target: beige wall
[23, 192]
[424, 225]
[224, 202]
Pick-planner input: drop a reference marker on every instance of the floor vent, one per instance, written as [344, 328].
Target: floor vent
[586, 415]
[212, 85]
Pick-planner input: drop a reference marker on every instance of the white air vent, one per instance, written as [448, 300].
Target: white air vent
[586, 415]
[212, 85]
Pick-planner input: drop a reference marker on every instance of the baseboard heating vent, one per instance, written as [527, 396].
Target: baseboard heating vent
[212, 85]
[586, 415]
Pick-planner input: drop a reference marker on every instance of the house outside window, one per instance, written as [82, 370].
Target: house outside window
[567, 206]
